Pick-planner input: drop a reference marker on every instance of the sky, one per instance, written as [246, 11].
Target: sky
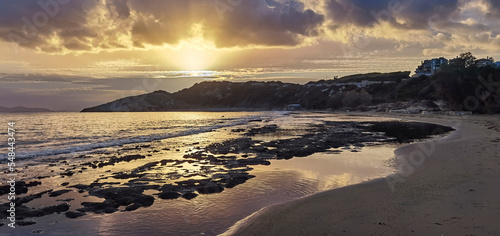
[66, 55]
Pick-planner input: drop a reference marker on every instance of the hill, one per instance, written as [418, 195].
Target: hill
[155, 101]
[445, 90]
[23, 109]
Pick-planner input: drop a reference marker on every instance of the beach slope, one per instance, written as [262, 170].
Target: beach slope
[451, 187]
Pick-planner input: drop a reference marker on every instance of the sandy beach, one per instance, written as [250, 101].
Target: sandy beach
[447, 186]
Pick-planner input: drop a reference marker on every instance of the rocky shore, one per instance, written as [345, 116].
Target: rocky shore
[136, 176]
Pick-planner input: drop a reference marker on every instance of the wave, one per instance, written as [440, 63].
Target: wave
[79, 149]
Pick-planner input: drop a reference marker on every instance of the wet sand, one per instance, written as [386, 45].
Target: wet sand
[451, 187]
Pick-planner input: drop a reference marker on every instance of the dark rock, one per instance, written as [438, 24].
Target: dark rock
[20, 188]
[55, 208]
[67, 173]
[259, 148]
[189, 195]
[246, 162]
[26, 199]
[190, 183]
[284, 155]
[145, 200]
[25, 222]
[80, 186]
[406, 131]
[33, 184]
[232, 178]
[59, 192]
[132, 207]
[129, 158]
[107, 206]
[23, 212]
[74, 214]
[169, 195]
[230, 146]
[146, 167]
[209, 188]
[118, 196]
[262, 130]
[121, 175]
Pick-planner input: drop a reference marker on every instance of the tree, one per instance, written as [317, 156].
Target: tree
[468, 58]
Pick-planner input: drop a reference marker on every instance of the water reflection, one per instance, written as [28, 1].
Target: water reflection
[282, 181]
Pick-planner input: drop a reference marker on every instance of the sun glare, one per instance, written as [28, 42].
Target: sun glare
[194, 59]
[196, 53]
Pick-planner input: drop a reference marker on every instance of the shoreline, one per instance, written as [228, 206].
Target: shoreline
[415, 206]
[238, 147]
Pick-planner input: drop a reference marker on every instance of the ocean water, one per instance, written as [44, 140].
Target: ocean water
[47, 134]
[48, 144]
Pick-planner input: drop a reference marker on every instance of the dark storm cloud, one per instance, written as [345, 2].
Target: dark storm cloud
[411, 14]
[58, 25]
[33, 24]
[494, 8]
[270, 23]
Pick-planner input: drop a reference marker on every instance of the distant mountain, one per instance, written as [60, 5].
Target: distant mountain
[23, 109]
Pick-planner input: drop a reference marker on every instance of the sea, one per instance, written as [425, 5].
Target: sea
[47, 134]
[45, 140]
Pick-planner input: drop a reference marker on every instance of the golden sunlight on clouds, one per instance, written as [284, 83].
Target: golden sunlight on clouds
[192, 59]
[195, 53]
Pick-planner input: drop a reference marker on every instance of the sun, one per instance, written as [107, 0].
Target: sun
[192, 59]
[195, 53]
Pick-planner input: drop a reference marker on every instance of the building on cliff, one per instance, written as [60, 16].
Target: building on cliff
[429, 67]
[485, 62]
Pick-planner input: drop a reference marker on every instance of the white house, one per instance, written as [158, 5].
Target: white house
[293, 107]
[429, 67]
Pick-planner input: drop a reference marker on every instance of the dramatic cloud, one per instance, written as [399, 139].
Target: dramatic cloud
[409, 14]
[269, 23]
[445, 26]
[65, 25]
[494, 8]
